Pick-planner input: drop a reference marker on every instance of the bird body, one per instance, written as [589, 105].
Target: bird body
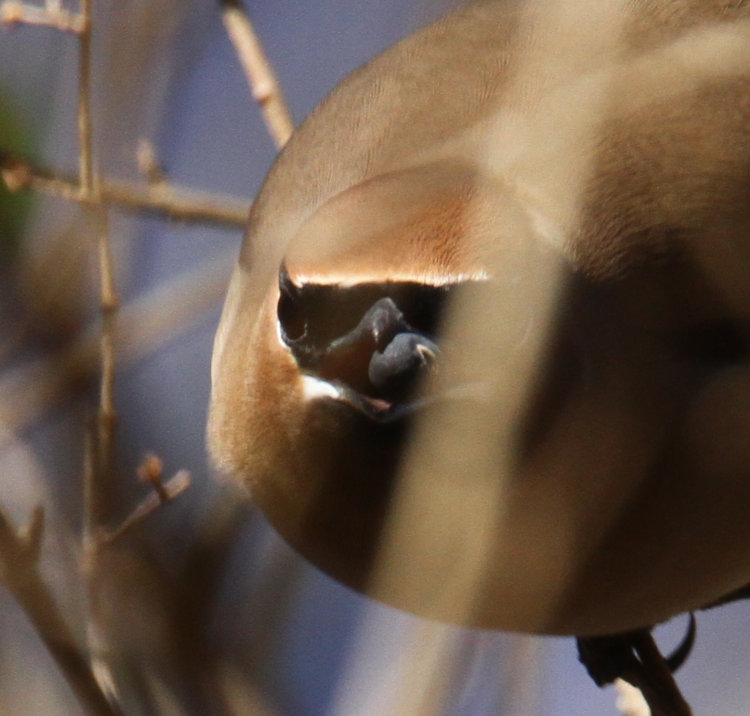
[485, 352]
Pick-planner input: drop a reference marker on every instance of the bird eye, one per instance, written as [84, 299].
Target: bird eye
[292, 319]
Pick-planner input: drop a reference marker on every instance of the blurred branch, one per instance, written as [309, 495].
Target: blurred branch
[144, 325]
[83, 116]
[101, 443]
[260, 75]
[163, 493]
[92, 669]
[19, 573]
[100, 439]
[109, 306]
[160, 198]
[14, 12]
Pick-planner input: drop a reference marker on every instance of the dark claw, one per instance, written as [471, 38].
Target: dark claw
[680, 655]
[607, 658]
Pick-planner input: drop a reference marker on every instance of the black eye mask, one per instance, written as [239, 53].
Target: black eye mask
[378, 339]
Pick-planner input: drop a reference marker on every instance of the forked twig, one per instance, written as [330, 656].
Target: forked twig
[171, 489]
[655, 680]
[20, 574]
[97, 194]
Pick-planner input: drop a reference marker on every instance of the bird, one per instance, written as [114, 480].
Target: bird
[485, 354]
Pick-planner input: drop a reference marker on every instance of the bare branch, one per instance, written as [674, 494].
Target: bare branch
[145, 324]
[90, 492]
[171, 489]
[85, 139]
[101, 441]
[109, 302]
[14, 12]
[19, 573]
[89, 672]
[175, 202]
[150, 471]
[655, 680]
[160, 198]
[260, 75]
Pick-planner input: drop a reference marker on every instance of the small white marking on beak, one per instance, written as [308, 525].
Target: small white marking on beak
[426, 355]
[313, 388]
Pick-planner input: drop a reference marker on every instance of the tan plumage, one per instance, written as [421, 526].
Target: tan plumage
[578, 461]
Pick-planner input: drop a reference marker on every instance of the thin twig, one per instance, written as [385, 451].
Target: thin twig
[20, 574]
[102, 442]
[172, 488]
[175, 202]
[144, 324]
[90, 493]
[107, 415]
[164, 199]
[85, 140]
[91, 677]
[99, 441]
[258, 70]
[14, 12]
[655, 680]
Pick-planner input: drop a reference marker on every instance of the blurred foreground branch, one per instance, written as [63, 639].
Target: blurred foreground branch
[14, 12]
[144, 324]
[20, 574]
[117, 334]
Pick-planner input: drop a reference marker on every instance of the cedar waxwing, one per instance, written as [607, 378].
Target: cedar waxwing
[485, 352]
